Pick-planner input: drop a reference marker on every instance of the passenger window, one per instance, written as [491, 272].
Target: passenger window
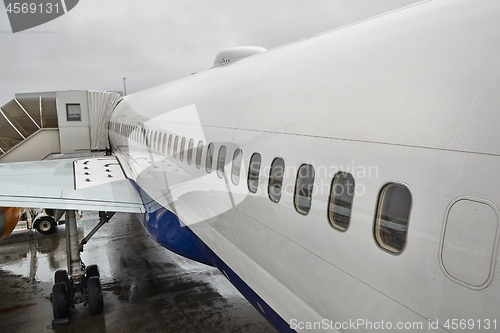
[190, 151]
[303, 189]
[221, 161]
[182, 149]
[176, 144]
[393, 214]
[169, 148]
[199, 152]
[253, 172]
[155, 140]
[341, 198]
[276, 175]
[210, 157]
[164, 143]
[235, 171]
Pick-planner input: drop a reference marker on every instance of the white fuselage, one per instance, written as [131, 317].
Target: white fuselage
[411, 98]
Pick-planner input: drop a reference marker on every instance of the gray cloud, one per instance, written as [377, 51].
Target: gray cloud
[151, 42]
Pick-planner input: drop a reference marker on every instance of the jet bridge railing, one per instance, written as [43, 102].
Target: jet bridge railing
[23, 117]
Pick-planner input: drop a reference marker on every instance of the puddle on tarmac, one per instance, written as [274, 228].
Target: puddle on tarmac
[32, 255]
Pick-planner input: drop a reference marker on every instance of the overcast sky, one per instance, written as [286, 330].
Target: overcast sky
[98, 43]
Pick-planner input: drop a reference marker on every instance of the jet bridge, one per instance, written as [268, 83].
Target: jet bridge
[34, 125]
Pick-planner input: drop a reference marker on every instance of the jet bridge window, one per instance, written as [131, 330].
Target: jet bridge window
[182, 149]
[341, 198]
[199, 152]
[303, 189]
[235, 171]
[393, 213]
[190, 152]
[73, 112]
[276, 175]
[210, 157]
[221, 161]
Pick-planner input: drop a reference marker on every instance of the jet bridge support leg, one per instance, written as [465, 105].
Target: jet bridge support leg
[79, 284]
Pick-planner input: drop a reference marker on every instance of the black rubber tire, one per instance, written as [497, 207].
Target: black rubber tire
[94, 290]
[61, 276]
[92, 270]
[60, 304]
[45, 225]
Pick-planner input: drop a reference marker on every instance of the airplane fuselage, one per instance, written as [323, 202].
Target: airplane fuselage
[407, 101]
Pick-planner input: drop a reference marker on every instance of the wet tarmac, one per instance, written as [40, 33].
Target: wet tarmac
[146, 287]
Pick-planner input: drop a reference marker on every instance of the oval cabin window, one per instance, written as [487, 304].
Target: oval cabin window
[393, 214]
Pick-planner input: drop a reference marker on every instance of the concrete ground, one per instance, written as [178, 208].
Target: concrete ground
[146, 287]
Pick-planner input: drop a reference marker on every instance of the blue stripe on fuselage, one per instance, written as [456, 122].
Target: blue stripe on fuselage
[166, 229]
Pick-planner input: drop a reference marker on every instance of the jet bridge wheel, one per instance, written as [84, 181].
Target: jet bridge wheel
[45, 225]
[60, 300]
[94, 290]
